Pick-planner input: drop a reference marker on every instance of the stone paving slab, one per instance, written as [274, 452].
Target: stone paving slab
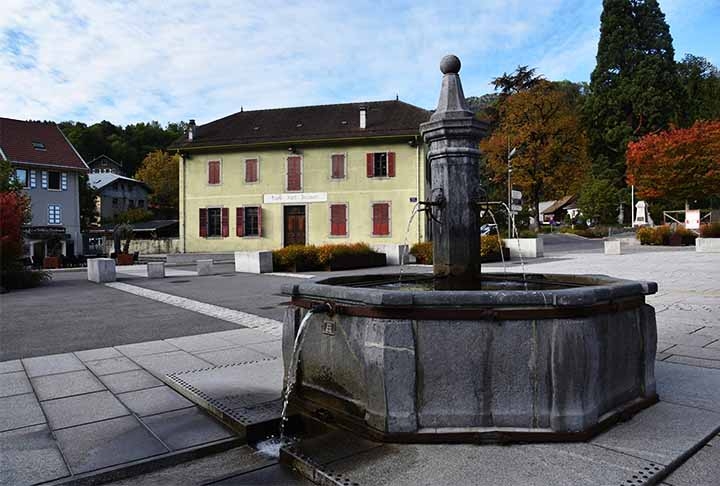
[275, 475]
[694, 352]
[149, 347]
[688, 385]
[200, 343]
[107, 443]
[153, 400]
[166, 363]
[14, 383]
[96, 354]
[83, 409]
[701, 469]
[30, 455]
[62, 385]
[232, 355]
[703, 363]
[111, 365]
[271, 348]
[10, 366]
[661, 433]
[189, 427]
[130, 381]
[20, 411]
[55, 363]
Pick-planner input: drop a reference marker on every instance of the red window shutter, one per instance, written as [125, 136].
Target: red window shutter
[370, 163]
[260, 229]
[391, 164]
[203, 222]
[239, 222]
[225, 222]
[381, 224]
[251, 170]
[214, 172]
[338, 219]
[294, 174]
[338, 166]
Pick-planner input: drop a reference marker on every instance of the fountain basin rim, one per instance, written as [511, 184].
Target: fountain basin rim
[601, 289]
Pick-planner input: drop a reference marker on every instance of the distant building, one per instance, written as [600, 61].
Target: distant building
[48, 166]
[117, 194]
[557, 210]
[308, 175]
[104, 164]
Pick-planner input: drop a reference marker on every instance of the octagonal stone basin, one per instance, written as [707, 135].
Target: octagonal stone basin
[561, 360]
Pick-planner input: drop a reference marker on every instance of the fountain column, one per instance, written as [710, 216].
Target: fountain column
[452, 135]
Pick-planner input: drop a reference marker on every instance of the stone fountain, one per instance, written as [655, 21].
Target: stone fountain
[464, 358]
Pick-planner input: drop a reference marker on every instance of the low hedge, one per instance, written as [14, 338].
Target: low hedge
[711, 230]
[665, 235]
[298, 258]
[489, 246]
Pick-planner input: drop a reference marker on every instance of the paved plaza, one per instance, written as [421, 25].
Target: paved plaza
[78, 411]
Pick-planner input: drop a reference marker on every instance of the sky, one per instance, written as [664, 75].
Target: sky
[141, 60]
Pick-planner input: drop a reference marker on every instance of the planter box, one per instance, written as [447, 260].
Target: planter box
[351, 262]
[395, 254]
[525, 247]
[707, 245]
[101, 270]
[253, 261]
[613, 247]
[51, 262]
[124, 259]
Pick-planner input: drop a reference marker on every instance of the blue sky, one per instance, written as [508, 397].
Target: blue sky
[127, 61]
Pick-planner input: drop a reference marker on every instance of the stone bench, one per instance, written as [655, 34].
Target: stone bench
[613, 247]
[204, 267]
[156, 270]
[253, 261]
[101, 270]
[524, 247]
[707, 245]
[394, 254]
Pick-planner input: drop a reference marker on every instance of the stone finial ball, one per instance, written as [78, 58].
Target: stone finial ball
[450, 64]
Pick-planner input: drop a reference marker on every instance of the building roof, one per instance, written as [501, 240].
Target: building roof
[309, 123]
[559, 204]
[100, 158]
[38, 143]
[102, 179]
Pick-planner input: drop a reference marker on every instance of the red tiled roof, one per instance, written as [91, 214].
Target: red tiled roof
[308, 123]
[16, 142]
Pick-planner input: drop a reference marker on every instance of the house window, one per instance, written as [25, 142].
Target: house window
[214, 225]
[380, 164]
[38, 146]
[294, 173]
[54, 181]
[338, 220]
[131, 203]
[21, 176]
[213, 172]
[54, 214]
[141, 203]
[381, 219]
[248, 221]
[251, 170]
[214, 222]
[337, 166]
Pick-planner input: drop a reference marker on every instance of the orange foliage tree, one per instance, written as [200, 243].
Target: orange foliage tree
[544, 124]
[677, 165]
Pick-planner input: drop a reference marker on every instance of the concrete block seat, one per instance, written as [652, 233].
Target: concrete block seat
[101, 270]
[562, 360]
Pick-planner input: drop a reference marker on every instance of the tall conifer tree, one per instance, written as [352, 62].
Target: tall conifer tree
[634, 89]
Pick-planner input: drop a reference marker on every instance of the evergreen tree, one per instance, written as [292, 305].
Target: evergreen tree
[634, 89]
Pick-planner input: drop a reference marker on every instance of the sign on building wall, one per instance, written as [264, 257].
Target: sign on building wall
[692, 219]
[295, 197]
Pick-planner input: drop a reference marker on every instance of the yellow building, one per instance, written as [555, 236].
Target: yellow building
[261, 180]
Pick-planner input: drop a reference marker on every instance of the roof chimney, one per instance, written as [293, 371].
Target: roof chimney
[363, 117]
[192, 130]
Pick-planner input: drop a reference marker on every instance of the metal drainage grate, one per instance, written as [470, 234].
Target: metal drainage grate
[643, 476]
[179, 281]
[314, 471]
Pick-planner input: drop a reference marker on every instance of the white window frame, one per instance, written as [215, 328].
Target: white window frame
[59, 181]
[27, 176]
[207, 228]
[345, 167]
[59, 211]
[207, 172]
[387, 164]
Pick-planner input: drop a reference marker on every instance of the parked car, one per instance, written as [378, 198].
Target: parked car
[488, 229]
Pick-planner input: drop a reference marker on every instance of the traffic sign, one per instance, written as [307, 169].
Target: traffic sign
[516, 194]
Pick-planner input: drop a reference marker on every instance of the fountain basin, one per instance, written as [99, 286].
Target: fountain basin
[560, 361]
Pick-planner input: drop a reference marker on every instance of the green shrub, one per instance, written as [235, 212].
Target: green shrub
[687, 237]
[526, 233]
[311, 257]
[659, 235]
[423, 252]
[490, 245]
[22, 278]
[711, 230]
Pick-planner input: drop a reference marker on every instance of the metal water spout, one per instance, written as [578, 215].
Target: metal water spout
[452, 135]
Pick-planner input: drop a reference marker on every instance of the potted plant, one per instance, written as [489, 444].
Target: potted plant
[123, 234]
[54, 251]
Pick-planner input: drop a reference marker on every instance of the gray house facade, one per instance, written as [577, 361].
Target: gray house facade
[117, 194]
[48, 167]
